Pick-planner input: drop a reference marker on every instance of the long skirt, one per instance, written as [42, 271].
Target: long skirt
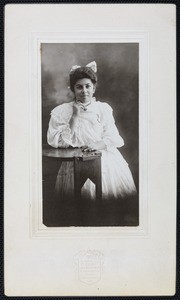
[117, 180]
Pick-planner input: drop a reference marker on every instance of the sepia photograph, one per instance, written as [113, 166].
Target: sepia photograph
[90, 159]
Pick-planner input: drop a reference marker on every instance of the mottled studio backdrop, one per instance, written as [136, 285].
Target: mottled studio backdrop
[118, 71]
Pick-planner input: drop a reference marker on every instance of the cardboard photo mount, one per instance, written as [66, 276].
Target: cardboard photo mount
[108, 261]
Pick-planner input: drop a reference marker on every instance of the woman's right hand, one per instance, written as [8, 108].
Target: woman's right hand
[77, 107]
[76, 111]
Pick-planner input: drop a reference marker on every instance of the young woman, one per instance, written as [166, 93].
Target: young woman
[89, 124]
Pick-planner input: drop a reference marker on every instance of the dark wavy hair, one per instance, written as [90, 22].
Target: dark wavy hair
[80, 73]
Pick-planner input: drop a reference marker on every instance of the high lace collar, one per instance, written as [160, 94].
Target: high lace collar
[86, 105]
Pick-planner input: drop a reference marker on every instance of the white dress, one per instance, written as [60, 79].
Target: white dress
[93, 125]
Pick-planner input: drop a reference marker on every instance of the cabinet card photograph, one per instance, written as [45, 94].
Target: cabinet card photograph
[90, 150]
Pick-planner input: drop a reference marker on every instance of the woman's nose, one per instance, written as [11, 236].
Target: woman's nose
[84, 89]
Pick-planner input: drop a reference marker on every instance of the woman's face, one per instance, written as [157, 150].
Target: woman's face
[84, 90]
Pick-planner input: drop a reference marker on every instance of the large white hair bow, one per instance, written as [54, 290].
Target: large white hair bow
[91, 65]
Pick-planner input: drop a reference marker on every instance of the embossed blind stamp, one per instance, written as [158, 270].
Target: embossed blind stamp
[89, 266]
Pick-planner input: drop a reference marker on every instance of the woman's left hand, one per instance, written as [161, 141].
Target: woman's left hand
[94, 146]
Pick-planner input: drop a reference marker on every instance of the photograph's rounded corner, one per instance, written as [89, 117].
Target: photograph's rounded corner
[8, 8]
[8, 292]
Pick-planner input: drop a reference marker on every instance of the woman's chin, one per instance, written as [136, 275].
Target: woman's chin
[84, 99]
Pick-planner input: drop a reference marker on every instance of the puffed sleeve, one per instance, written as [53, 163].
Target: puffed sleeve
[111, 136]
[59, 132]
